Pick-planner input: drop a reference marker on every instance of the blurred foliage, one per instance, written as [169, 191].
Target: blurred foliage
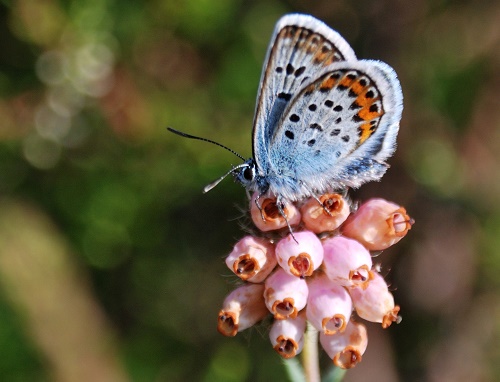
[86, 90]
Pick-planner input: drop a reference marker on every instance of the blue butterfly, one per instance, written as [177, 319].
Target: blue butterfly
[324, 120]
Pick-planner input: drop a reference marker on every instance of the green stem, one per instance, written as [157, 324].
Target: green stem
[310, 354]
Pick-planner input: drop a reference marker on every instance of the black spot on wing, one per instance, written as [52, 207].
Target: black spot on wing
[316, 126]
[285, 96]
[355, 106]
[299, 71]
[335, 132]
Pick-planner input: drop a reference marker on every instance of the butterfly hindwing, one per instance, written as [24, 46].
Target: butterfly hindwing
[301, 46]
[337, 131]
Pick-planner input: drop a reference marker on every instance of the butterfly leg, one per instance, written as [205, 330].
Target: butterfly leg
[281, 209]
[257, 203]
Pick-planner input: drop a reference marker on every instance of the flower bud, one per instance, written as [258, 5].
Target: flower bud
[346, 349]
[347, 262]
[329, 306]
[300, 253]
[268, 217]
[252, 259]
[242, 308]
[287, 336]
[375, 303]
[378, 224]
[315, 215]
[285, 295]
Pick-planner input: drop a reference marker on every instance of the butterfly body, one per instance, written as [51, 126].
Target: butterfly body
[324, 120]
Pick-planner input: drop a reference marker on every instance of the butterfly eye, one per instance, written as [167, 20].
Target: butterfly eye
[248, 173]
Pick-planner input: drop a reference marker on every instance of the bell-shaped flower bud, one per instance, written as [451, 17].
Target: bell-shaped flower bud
[287, 336]
[329, 306]
[300, 253]
[347, 348]
[378, 224]
[285, 295]
[242, 308]
[347, 262]
[268, 217]
[375, 303]
[252, 259]
[328, 215]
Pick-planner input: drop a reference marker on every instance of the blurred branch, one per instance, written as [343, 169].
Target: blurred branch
[51, 295]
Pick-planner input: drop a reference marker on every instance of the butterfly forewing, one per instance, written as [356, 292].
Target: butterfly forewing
[300, 48]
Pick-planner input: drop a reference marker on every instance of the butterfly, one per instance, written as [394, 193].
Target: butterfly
[324, 120]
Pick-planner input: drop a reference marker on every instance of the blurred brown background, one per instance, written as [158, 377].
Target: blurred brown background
[111, 259]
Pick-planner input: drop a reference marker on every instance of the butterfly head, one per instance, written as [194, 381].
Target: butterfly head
[246, 173]
[248, 176]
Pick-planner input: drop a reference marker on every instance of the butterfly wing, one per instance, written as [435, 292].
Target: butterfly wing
[337, 131]
[301, 46]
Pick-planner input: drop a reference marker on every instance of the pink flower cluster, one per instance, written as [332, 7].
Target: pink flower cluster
[321, 273]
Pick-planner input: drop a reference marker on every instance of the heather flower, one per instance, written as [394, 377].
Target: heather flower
[252, 259]
[347, 262]
[347, 348]
[329, 306]
[378, 224]
[317, 268]
[242, 308]
[328, 215]
[287, 336]
[268, 217]
[285, 295]
[375, 303]
[300, 254]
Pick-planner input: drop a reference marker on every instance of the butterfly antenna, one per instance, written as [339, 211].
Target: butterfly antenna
[185, 135]
[208, 187]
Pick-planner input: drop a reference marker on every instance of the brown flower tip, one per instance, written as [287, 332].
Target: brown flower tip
[400, 222]
[227, 324]
[286, 347]
[392, 316]
[301, 265]
[361, 277]
[285, 309]
[328, 215]
[348, 358]
[268, 217]
[245, 267]
[332, 325]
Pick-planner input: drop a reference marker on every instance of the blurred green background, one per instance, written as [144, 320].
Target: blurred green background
[111, 258]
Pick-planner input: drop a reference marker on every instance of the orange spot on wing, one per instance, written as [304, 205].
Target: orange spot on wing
[346, 81]
[358, 89]
[328, 84]
[368, 115]
[366, 130]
